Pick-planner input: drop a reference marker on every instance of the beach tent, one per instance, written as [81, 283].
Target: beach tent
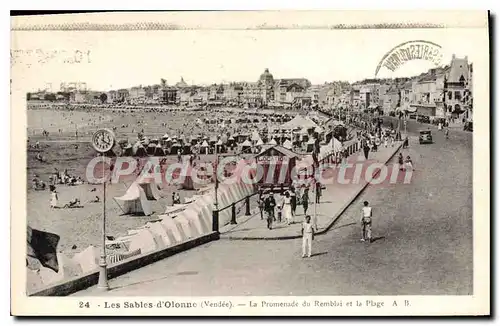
[255, 136]
[287, 144]
[299, 122]
[159, 151]
[172, 228]
[159, 231]
[139, 150]
[151, 149]
[197, 228]
[67, 268]
[246, 145]
[88, 259]
[151, 189]
[134, 201]
[128, 150]
[186, 176]
[272, 142]
[175, 148]
[146, 241]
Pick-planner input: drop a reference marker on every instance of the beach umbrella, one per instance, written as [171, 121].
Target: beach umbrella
[255, 136]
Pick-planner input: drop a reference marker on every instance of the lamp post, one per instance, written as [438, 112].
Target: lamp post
[103, 141]
[103, 268]
[215, 212]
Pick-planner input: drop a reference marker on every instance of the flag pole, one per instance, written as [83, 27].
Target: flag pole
[103, 272]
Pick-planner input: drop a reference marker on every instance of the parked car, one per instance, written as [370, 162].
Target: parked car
[413, 116]
[423, 119]
[425, 137]
[468, 126]
[392, 114]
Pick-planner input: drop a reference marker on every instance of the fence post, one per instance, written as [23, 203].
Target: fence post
[247, 206]
[215, 220]
[233, 214]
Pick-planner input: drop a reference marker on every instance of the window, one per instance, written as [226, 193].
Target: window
[450, 94]
[458, 95]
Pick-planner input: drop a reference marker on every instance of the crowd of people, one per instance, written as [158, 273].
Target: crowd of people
[282, 206]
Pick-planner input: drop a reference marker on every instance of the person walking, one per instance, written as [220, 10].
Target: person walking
[405, 143]
[366, 150]
[260, 203]
[269, 205]
[279, 207]
[318, 192]
[366, 223]
[307, 237]
[446, 132]
[293, 200]
[287, 209]
[401, 161]
[305, 200]
[408, 164]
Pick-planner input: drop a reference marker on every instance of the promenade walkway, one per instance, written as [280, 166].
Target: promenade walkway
[334, 200]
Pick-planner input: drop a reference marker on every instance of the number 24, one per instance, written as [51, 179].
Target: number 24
[84, 304]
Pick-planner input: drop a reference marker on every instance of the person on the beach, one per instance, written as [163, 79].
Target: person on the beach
[53, 198]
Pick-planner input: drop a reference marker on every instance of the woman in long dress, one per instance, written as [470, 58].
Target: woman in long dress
[53, 199]
[287, 208]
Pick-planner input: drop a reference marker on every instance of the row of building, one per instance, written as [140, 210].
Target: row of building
[441, 91]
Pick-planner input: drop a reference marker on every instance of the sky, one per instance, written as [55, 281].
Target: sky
[122, 59]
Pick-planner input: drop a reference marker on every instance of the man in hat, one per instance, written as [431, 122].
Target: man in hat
[269, 205]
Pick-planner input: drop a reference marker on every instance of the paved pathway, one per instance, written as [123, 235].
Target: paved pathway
[424, 245]
[335, 199]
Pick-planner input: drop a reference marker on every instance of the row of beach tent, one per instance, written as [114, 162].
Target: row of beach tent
[176, 225]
